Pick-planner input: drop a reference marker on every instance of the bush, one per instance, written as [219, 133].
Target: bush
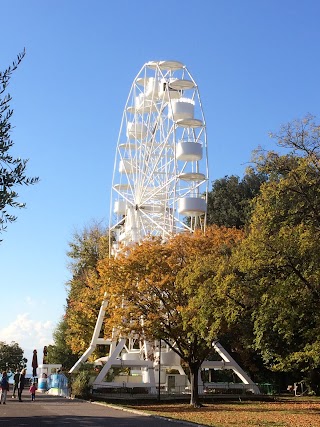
[80, 384]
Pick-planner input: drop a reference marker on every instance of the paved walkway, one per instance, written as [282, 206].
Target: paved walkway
[58, 411]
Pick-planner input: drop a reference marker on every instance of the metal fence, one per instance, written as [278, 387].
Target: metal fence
[183, 392]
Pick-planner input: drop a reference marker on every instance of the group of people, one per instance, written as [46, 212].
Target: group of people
[19, 380]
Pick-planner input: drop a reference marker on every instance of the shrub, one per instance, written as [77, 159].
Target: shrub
[80, 384]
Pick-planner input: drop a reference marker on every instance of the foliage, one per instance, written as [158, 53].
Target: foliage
[11, 357]
[80, 382]
[84, 290]
[230, 205]
[173, 287]
[61, 352]
[229, 201]
[260, 293]
[12, 170]
[277, 268]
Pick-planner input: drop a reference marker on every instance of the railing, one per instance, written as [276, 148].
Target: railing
[230, 389]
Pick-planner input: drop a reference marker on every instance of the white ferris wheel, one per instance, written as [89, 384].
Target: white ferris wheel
[159, 188]
[160, 177]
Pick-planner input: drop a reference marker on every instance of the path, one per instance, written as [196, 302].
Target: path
[58, 411]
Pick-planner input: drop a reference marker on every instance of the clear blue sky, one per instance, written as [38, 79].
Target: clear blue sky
[257, 66]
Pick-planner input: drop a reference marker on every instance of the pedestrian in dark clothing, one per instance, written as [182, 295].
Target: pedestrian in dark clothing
[15, 383]
[21, 383]
[4, 387]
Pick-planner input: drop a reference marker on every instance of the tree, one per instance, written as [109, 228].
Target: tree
[84, 295]
[230, 198]
[277, 267]
[173, 287]
[11, 357]
[230, 205]
[12, 170]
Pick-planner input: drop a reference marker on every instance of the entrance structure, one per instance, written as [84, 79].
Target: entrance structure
[160, 178]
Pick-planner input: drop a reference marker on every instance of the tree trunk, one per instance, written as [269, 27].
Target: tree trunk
[194, 399]
[314, 381]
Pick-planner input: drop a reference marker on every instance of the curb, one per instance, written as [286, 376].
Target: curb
[146, 414]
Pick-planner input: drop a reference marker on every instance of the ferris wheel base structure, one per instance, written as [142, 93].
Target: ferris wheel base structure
[159, 188]
[144, 359]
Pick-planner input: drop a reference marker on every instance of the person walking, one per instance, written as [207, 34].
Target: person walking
[21, 383]
[4, 387]
[32, 390]
[15, 383]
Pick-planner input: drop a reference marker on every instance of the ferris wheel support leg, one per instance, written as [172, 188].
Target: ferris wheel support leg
[235, 367]
[147, 349]
[94, 340]
[180, 369]
[82, 359]
[152, 380]
[110, 361]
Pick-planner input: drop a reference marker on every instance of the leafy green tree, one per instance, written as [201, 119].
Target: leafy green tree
[173, 287]
[229, 201]
[11, 356]
[12, 170]
[277, 268]
[230, 205]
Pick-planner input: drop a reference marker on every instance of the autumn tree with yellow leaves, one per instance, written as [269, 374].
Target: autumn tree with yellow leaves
[84, 297]
[170, 291]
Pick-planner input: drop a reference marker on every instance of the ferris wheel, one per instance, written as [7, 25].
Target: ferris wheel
[160, 177]
[159, 188]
